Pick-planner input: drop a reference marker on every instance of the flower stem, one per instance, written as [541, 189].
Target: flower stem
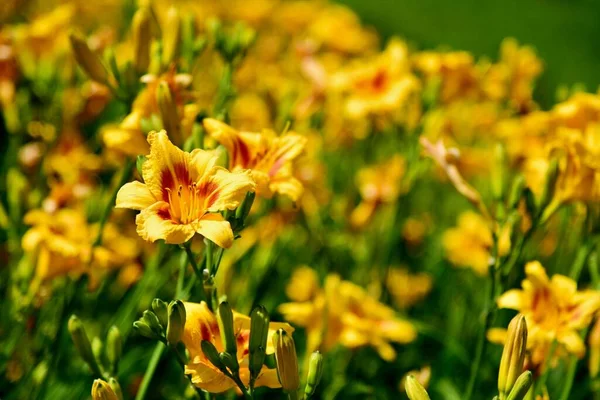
[192, 260]
[156, 355]
[125, 173]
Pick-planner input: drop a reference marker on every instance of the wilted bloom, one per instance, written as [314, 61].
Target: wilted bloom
[201, 324]
[554, 309]
[343, 313]
[380, 184]
[182, 194]
[470, 243]
[380, 86]
[269, 157]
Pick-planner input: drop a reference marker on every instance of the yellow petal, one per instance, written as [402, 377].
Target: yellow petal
[206, 377]
[290, 187]
[203, 161]
[216, 229]
[241, 146]
[152, 225]
[200, 324]
[229, 189]
[536, 274]
[496, 335]
[573, 343]
[513, 299]
[135, 195]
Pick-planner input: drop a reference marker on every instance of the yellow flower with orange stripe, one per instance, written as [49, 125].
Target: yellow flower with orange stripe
[269, 157]
[201, 324]
[183, 194]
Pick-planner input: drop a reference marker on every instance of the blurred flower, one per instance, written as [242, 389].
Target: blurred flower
[380, 184]
[342, 312]
[201, 324]
[422, 376]
[406, 288]
[183, 193]
[268, 157]
[127, 137]
[554, 309]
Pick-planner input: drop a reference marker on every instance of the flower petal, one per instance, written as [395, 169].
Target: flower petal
[513, 299]
[154, 223]
[227, 189]
[206, 377]
[135, 195]
[216, 229]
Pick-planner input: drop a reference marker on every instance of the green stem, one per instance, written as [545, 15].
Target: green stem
[541, 384]
[209, 257]
[156, 355]
[240, 385]
[126, 172]
[572, 369]
[192, 260]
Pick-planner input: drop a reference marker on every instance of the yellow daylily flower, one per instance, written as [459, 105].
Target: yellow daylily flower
[342, 312]
[553, 308]
[406, 288]
[183, 193]
[269, 157]
[127, 137]
[201, 324]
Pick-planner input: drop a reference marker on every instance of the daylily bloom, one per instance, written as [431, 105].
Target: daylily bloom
[342, 312]
[406, 288]
[127, 137]
[183, 193]
[554, 309]
[201, 324]
[269, 157]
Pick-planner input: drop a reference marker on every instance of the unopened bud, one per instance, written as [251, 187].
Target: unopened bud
[549, 185]
[114, 346]
[82, 344]
[230, 361]
[98, 349]
[168, 111]
[114, 385]
[521, 387]
[513, 355]
[244, 209]
[516, 192]
[259, 331]
[315, 371]
[176, 322]
[159, 307]
[88, 60]
[414, 390]
[149, 326]
[499, 172]
[142, 36]
[101, 390]
[212, 354]
[287, 361]
[171, 37]
[225, 319]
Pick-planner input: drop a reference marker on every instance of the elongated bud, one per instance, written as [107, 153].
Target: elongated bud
[149, 326]
[101, 390]
[98, 349]
[211, 353]
[114, 385]
[549, 185]
[287, 361]
[171, 37]
[111, 58]
[414, 390]
[88, 60]
[521, 387]
[230, 361]
[176, 322]
[594, 344]
[499, 172]
[160, 308]
[513, 355]
[114, 346]
[225, 318]
[82, 343]
[516, 192]
[244, 209]
[315, 371]
[142, 36]
[168, 111]
[259, 331]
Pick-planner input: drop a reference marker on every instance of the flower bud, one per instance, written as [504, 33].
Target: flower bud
[513, 355]
[516, 192]
[176, 322]
[414, 390]
[499, 172]
[210, 352]
[315, 371]
[142, 36]
[259, 331]
[160, 308]
[549, 185]
[168, 111]
[114, 385]
[88, 60]
[287, 361]
[98, 349]
[101, 390]
[82, 344]
[149, 326]
[225, 318]
[244, 209]
[114, 346]
[230, 361]
[521, 387]
[171, 37]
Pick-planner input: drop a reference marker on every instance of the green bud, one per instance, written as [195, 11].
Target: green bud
[244, 209]
[142, 36]
[513, 355]
[171, 37]
[168, 111]
[230, 361]
[259, 331]
[114, 385]
[414, 390]
[114, 346]
[160, 308]
[287, 361]
[210, 352]
[499, 172]
[549, 185]
[110, 56]
[516, 192]
[225, 318]
[521, 387]
[82, 344]
[176, 322]
[101, 390]
[315, 371]
[98, 349]
[149, 326]
[530, 202]
[88, 60]
[270, 361]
